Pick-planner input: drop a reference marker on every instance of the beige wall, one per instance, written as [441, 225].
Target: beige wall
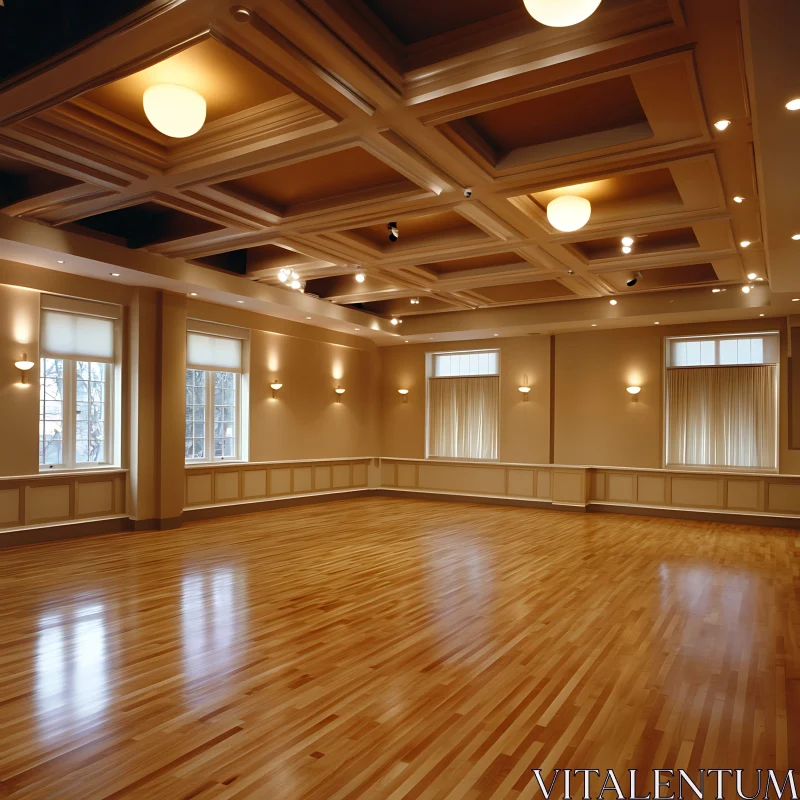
[584, 417]
[304, 421]
[19, 420]
[595, 421]
[524, 425]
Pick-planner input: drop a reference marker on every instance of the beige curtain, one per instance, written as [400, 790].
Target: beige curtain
[722, 416]
[464, 417]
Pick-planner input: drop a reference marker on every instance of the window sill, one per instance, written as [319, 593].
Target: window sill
[81, 470]
[722, 470]
[100, 470]
[219, 463]
[449, 459]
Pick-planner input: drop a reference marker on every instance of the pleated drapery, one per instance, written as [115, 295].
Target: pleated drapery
[722, 416]
[464, 417]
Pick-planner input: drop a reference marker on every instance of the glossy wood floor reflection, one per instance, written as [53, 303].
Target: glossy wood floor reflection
[390, 648]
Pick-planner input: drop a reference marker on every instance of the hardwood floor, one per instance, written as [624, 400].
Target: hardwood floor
[388, 648]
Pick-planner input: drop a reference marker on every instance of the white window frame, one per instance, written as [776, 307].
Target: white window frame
[665, 360]
[430, 374]
[210, 405]
[112, 413]
[241, 415]
[69, 422]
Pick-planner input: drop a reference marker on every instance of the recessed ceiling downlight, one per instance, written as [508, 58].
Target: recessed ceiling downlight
[569, 213]
[561, 13]
[175, 111]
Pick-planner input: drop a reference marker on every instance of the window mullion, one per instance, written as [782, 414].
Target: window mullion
[70, 410]
[210, 411]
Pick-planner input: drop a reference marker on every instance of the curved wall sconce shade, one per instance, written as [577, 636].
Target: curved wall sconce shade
[24, 366]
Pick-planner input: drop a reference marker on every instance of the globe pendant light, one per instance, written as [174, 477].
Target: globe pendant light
[561, 13]
[569, 213]
[175, 111]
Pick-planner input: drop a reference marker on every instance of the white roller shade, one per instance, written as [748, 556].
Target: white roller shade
[213, 352]
[78, 337]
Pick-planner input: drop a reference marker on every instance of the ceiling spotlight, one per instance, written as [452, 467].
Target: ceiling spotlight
[561, 13]
[751, 276]
[626, 250]
[360, 277]
[176, 111]
[283, 275]
[794, 105]
[760, 315]
[612, 302]
[569, 213]
[295, 284]
[744, 243]
[394, 320]
[394, 232]
[627, 241]
[114, 274]
[746, 289]
[240, 302]
[796, 299]
[308, 317]
[715, 291]
[634, 280]
[60, 261]
[414, 301]
[192, 294]
[738, 199]
[722, 124]
[656, 323]
[796, 237]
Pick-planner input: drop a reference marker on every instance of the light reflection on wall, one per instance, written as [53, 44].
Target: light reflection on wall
[213, 619]
[71, 668]
[22, 327]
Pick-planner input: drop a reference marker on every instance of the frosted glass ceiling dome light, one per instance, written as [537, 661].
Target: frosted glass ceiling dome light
[569, 213]
[175, 111]
[561, 13]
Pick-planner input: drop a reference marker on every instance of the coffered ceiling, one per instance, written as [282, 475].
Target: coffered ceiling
[458, 120]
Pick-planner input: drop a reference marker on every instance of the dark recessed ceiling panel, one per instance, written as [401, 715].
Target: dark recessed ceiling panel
[146, 224]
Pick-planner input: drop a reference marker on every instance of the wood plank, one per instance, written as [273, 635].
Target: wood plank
[393, 648]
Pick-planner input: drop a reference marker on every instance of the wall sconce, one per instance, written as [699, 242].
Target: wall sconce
[339, 392]
[526, 390]
[23, 366]
[633, 391]
[404, 393]
[275, 387]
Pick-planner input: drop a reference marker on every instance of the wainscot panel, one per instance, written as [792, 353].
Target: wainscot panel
[61, 498]
[724, 495]
[230, 484]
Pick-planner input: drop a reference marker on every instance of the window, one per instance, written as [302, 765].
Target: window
[213, 397]
[464, 405]
[722, 401]
[76, 386]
